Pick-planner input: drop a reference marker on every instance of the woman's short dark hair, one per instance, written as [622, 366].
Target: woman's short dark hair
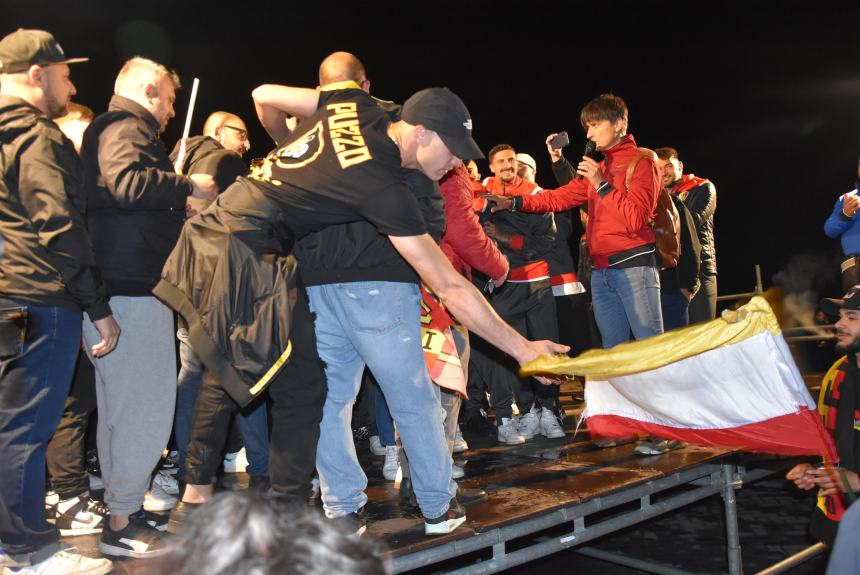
[604, 107]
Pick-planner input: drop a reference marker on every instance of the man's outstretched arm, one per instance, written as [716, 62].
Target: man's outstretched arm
[465, 302]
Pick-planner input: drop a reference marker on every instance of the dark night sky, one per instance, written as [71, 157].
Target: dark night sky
[762, 98]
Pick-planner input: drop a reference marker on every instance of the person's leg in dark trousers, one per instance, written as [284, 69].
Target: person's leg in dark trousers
[65, 455]
[37, 359]
[542, 323]
[298, 394]
[209, 427]
[703, 306]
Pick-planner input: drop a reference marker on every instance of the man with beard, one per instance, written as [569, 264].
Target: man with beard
[839, 402]
[526, 302]
[47, 278]
[700, 197]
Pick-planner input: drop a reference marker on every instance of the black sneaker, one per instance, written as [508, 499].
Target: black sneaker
[407, 495]
[179, 515]
[138, 539]
[352, 524]
[85, 516]
[448, 521]
[657, 446]
[157, 520]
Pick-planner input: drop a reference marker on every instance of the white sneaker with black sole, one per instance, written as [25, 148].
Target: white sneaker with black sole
[137, 539]
[80, 516]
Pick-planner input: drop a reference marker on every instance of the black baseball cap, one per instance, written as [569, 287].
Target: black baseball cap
[851, 301]
[441, 110]
[24, 48]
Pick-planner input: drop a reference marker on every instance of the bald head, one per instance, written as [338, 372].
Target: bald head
[229, 130]
[343, 67]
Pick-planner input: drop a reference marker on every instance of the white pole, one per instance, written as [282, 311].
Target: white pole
[180, 159]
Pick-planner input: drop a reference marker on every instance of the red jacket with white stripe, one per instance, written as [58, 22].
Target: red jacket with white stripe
[531, 236]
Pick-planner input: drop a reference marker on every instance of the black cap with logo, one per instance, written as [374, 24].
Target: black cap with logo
[24, 48]
[851, 301]
[441, 110]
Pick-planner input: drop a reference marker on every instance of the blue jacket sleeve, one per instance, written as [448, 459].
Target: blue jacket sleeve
[838, 222]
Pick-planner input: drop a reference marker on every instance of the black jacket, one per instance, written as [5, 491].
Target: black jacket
[686, 274]
[205, 155]
[702, 203]
[136, 202]
[358, 252]
[47, 257]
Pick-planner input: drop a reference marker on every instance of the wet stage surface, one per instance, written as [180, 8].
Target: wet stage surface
[545, 475]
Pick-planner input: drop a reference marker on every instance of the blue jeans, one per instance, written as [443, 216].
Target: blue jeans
[377, 323]
[253, 423]
[384, 423]
[675, 309]
[626, 299]
[35, 375]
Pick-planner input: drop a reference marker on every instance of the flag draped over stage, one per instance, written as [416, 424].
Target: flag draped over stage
[730, 382]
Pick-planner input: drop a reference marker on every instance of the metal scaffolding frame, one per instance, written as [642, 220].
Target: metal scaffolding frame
[704, 481]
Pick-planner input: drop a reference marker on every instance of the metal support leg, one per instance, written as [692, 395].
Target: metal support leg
[733, 545]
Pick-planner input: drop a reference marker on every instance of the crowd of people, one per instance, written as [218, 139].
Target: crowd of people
[363, 251]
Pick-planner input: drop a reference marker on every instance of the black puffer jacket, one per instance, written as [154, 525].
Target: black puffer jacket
[136, 201]
[47, 257]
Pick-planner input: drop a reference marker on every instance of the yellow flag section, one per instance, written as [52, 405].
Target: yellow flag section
[635, 356]
[730, 382]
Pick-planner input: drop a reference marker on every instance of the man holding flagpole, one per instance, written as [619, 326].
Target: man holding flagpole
[136, 209]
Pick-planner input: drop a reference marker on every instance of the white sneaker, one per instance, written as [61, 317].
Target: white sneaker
[157, 499]
[529, 423]
[80, 516]
[67, 561]
[550, 426]
[236, 462]
[167, 482]
[392, 462]
[508, 433]
[457, 472]
[460, 444]
[376, 446]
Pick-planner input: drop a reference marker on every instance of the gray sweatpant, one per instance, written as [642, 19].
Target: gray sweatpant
[136, 396]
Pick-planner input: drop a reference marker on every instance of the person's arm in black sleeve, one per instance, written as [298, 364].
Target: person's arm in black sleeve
[50, 177]
[691, 251]
[563, 171]
[703, 203]
[138, 172]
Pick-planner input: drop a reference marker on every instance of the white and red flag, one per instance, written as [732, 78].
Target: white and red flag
[730, 382]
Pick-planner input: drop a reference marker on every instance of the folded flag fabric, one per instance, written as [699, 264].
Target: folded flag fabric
[730, 382]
